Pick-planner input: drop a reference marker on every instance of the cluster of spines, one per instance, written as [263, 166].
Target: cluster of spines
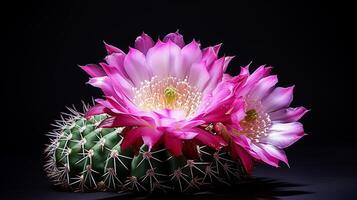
[83, 157]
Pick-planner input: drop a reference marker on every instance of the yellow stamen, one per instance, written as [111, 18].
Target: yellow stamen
[251, 115]
[170, 94]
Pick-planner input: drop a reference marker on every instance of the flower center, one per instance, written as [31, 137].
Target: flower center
[168, 93]
[256, 123]
[251, 115]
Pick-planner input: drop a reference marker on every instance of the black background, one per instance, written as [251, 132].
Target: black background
[305, 42]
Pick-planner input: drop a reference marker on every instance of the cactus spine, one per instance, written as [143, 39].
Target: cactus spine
[83, 157]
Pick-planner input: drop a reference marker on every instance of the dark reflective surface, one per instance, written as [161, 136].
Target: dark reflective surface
[255, 188]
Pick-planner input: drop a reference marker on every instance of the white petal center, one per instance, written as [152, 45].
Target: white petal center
[168, 93]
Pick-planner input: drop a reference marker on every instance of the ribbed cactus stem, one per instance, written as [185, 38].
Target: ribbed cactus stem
[82, 156]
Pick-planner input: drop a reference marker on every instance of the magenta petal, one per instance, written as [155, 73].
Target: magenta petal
[218, 112]
[209, 55]
[216, 74]
[150, 136]
[227, 60]
[131, 137]
[258, 74]
[143, 43]
[104, 83]
[284, 135]
[117, 105]
[252, 79]
[112, 49]
[93, 70]
[207, 138]
[275, 152]
[108, 123]
[263, 87]
[198, 76]
[164, 58]
[173, 144]
[246, 159]
[122, 119]
[95, 110]
[244, 71]
[176, 38]
[279, 98]
[116, 60]
[223, 97]
[238, 111]
[217, 47]
[192, 123]
[226, 77]
[120, 83]
[185, 135]
[191, 53]
[264, 156]
[288, 115]
[135, 66]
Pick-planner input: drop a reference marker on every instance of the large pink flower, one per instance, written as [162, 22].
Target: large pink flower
[168, 93]
[269, 124]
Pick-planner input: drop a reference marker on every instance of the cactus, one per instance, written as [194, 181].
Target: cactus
[83, 157]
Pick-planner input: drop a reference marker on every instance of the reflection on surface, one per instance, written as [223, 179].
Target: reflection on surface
[254, 188]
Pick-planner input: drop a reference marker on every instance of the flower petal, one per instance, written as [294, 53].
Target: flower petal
[131, 137]
[116, 60]
[117, 104]
[191, 53]
[275, 152]
[123, 119]
[176, 38]
[216, 74]
[207, 138]
[135, 66]
[112, 49]
[259, 73]
[185, 135]
[189, 149]
[284, 135]
[95, 110]
[105, 84]
[279, 98]
[264, 156]
[143, 43]
[173, 144]
[252, 79]
[227, 60]
[263, 88]
[247, 161]
[93, 70]
[198, 76]
[164, 59]
[150, 136]
[209, 55]
[120, 83]
[288, 115]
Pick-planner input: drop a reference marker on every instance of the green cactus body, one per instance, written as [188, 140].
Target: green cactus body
[83, 157]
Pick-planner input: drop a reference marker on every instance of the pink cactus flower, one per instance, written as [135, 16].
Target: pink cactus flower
[167, 92]
[176, 94]
[269, 124]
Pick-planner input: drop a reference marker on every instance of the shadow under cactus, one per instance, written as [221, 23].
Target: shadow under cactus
[251, 189]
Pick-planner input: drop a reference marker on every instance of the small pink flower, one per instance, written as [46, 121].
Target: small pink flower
[269, 124]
